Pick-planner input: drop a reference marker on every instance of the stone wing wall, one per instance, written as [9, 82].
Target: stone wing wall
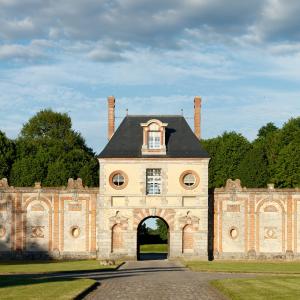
[255, 223]
[48, 222]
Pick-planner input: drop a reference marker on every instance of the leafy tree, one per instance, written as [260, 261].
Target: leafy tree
[162, 229]
[253, 168]
[266, 130]
[287, 168]
[226, 151]
[50, 151]
[7, 155]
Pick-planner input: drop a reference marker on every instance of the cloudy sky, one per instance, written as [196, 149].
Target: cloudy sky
[242, 57]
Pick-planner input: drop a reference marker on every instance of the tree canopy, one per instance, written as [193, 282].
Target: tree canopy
[50, 151]
[273, 157]
[7, 155]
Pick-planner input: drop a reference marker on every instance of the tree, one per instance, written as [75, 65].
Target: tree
[7, 155]
[266, 130]
[162, 229]
[50, 151]
[287, 168]
[226, 152]
[253, 168]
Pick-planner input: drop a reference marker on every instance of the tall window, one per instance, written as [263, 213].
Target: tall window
[153, 179]
[154, 140]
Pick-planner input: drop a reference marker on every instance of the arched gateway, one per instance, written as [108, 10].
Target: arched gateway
[153, 166]
[145, 239]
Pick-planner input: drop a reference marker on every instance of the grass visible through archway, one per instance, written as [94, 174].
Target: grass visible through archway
[152, 237]
[154, 248]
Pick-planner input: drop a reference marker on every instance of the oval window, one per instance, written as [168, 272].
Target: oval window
[118, 179]
[189, 179]
[75, 232]
[233, 233]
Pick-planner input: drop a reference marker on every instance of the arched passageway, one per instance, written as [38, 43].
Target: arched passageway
[152, 239]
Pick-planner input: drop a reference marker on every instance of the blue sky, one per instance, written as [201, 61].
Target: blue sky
[242, 57]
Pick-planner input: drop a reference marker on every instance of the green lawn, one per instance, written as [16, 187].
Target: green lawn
[245, 266]
[20, 287]
[12, 267]
[32, 280]
[275, 288]
[154, 248]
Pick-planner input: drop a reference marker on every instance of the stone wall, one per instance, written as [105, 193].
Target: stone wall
[256, 223]
[61, 222]
[48, 222]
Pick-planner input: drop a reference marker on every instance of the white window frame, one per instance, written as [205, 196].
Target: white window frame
[153, 181]
[154, 140]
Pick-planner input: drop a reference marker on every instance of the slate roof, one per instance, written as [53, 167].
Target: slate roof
[127, 141]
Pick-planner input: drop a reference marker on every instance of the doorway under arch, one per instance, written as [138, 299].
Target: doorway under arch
[153, 239]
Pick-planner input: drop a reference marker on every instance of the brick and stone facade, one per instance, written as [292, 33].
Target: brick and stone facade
[78, 222]
[48, 222]
[256, 223]
[120, 211]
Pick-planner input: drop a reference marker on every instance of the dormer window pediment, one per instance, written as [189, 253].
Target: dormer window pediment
[154, 141]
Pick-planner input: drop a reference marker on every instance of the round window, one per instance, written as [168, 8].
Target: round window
[189, 179]
[118, 179]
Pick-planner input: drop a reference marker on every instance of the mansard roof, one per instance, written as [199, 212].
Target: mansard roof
[127, 141]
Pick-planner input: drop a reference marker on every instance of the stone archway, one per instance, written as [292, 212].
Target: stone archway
[156, 247]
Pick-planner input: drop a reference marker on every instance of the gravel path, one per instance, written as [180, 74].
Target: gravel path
[156, 279]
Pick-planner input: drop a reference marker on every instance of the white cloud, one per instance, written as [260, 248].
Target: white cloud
[21, 52]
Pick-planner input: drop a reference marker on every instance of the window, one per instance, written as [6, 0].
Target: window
[189, 179]
[153, 179]
[154, 140]
[118, 179]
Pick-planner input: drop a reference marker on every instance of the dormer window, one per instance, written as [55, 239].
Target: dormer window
[154, 140]
[154, 137]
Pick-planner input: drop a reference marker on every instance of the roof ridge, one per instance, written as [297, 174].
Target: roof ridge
[155, 116]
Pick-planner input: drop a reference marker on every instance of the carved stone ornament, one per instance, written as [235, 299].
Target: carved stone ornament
[233, 185]
[270, 233]
[74, 184]
[4, 183]
[37, 185]
[2, 231]
[188, 219]
[118, 219]
[37, 231]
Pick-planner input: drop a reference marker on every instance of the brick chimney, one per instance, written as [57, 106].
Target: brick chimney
[197, 116]
[111, 116]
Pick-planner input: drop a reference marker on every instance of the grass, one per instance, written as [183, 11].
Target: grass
[12, 267]
[245, 267]
[23, 288]
[154, 248]
[32, 280]
[275, 288]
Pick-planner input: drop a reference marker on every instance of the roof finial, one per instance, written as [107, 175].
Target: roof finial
[182, 111]
[126, 111]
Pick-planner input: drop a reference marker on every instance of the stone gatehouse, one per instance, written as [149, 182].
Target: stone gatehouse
[152, 166]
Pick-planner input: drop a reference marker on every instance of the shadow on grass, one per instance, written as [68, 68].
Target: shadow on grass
[11, 280]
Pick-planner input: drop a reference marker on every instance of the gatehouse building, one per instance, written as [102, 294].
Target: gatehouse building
[152, 166]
